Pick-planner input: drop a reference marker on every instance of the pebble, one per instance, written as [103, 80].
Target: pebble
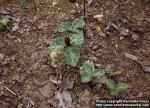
[95, 47]
[135, 36]
[124, 32]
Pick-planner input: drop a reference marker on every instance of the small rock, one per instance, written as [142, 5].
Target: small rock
[95, 47]
[47, 90]
[124, 32]
[135, 36]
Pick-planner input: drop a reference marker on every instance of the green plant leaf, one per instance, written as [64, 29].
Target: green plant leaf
[74, 27]
[4, 22]
[114, 92]
[57, 44]
[64, 26]
[71, 55]
[86, 78]
[110, 84]
[87, 69]
[122, 87]
[79, 25]
[89, 72]
[98, 73]
[77, 39]
[119, 87]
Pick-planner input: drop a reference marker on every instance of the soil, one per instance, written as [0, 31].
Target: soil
[25, 64]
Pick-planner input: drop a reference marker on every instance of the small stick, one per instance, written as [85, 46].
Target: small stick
[10, 91]
[84, 10]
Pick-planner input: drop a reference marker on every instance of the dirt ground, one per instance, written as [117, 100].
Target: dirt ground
[25, 64]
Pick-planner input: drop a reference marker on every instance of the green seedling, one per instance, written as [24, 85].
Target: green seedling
[4, 23]
[114, 88]
[68, 46]
[88, 73]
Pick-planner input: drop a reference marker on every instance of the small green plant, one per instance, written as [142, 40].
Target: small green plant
[89, 72]
[4, 23]
[68, 46]
[114, 88]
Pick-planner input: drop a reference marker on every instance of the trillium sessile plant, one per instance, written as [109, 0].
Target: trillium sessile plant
[114, 88]
[89, 72]
[74, 30]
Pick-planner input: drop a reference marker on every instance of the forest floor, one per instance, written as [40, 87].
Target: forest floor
[115, 30]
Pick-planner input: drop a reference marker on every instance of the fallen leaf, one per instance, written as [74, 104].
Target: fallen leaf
[47, 90]
[124, 32]
[64, 98]
[66, 84]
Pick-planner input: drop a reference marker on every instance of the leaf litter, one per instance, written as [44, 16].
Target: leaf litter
[145, 68]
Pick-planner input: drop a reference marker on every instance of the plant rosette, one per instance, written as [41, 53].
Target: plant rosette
[115, 89]
[89, 72]
[69, 54]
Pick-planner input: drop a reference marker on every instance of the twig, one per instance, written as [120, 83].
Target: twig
[84, 10]
[10, 91]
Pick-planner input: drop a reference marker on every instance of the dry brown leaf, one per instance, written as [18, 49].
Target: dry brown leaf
[65, 99]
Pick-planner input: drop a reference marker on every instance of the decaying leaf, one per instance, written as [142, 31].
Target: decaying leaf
[64, 98]
[66, 84]
[145, 68]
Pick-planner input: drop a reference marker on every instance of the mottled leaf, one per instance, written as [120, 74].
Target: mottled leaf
[122, 87]
[80, 24]
[63, 26]
[77, 39]
[98, 73]
[71, 55]
[110, 84]
[114, 92]
[86, 78]
[57, 44]
[89, 72]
